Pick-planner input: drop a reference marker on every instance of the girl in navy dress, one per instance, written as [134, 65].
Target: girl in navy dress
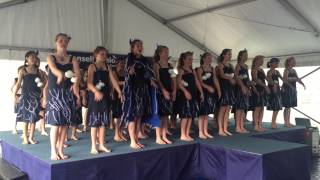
[188, 84]
[116, 102]
[227, 83]
[211, 92]
[100, 79]
[137, 102]
[16, 98]
[61, 102]
[167, 91]
[243, 91]
[259, 97]
[28, 108]
[289, 91]
[274, 98]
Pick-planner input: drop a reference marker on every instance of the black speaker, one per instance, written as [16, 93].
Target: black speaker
[10, 172]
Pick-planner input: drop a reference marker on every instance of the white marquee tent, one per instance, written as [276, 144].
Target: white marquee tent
[268, 27]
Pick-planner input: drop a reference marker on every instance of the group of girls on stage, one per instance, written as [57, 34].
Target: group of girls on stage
[140, 92]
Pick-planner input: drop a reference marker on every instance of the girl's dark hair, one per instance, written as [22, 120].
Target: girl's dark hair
[97, 50]
[203, 56]
[223, 53]
[157, 52]
[240, 54]
[62, 35]
[30, 53]
[133, 43]
[286, 63]
[254, 61]
[182, 57]
[272, 61]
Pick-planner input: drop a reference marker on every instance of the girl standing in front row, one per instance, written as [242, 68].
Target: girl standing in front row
[274, 98]
[167, 92]
[227, 82]
[137, 102]
[211, 90]
[243, 91]
[32, 80]
[289, 91]
[188, 84]
[61, 103]
[100, 77]
[259, 97]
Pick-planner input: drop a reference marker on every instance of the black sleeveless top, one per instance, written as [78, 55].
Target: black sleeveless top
[52, 79]
[29, 84]
[209, 81]
[224, 82]
[165, 77]
[292, 74]
[244, 75]
[101, 75]
[262, 77]
[188, 77]
[275, 78]
[141, 64]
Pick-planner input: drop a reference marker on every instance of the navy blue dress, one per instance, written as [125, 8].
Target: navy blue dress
[137, 102]
[188, 108]
[61, 105]
[242, 100]
[274, 98]
[227, 89]
[29, 104]
[289, 93]
[116, 102]
[207, 106]
[259, 100]
[165, 107]
[98, 110]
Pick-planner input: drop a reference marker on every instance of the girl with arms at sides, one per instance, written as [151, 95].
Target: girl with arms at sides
[274, 98]
[211, 90]
[243, 91]
[188, 84]
[227, 83]
[167, 93]
[31, 78]
[116, 102]
[259, 97]
[289, 92]
[100, 77]
[137, 101]
[61, 102]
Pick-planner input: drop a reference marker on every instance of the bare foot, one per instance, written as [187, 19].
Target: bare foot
[31, 141]
[160, 141]
[104, 149]
[25, 142]
[14, 131]
[222, 134]
[190, 138]
[117, 139]
[228, 133]
[142, 136]
[141, 145]
[74, 138]
[135, 146]
[289, 125]
[94, 151]
[63, 156]
[208, 135]
[239, 131]
[44, 133]
[123, 138]
[184, 138]
[54, 157]
[244, 130]
[167, 140]
[202, 136]
[66, 145]
[274, 126]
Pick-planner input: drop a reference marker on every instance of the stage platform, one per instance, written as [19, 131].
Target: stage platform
[273, 155]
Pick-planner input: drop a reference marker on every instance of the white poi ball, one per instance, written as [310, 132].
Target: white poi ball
[185, 83]
[173, 75]
[73, 79]
[171, 71]
[40, 84]
[68, 74]
[204, 77]
[37, 80]
[208, 75]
